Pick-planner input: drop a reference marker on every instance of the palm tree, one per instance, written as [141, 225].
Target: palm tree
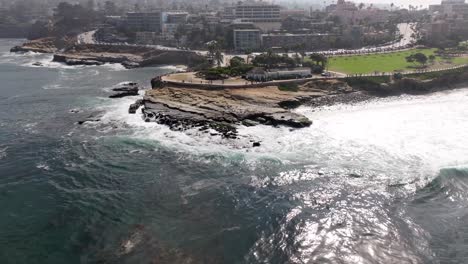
[361, 6]
[219, 57]
[249, 56]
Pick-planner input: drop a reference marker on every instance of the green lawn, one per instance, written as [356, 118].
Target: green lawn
[388, 62]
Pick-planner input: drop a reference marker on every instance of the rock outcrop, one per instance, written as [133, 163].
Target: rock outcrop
[222, 110]
[44, 45]
[129, 89]
[128, 56]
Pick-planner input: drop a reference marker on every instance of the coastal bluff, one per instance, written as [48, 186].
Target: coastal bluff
[222, 110]
[128, 56]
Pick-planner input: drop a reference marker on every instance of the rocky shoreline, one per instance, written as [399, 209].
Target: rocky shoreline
[219, 112]
[45, 45]
[72, 54]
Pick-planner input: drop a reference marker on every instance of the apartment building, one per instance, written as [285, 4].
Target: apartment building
[144, 21]
[247, 39]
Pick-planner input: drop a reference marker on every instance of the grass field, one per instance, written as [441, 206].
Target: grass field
[386, 62]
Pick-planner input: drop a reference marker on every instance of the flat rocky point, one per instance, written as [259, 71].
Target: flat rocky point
[221, 110]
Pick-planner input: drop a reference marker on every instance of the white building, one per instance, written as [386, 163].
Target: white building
[265, 16]
[260, 74]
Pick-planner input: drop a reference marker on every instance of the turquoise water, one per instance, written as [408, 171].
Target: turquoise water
[379, 182]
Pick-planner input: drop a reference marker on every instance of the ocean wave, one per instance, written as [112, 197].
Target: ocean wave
[3, 152]
[410, 136]
[43, 166]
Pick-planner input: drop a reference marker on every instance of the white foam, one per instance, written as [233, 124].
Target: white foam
[397, 132]
[194, 141]
[3, 152]
[410, 134]
[43, 166]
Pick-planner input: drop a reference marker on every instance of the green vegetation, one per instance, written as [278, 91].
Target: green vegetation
[387, 62]
[237, 67]
[316, 62]
[270, 60]
[214, 53]
[288, 87]
[419, 57]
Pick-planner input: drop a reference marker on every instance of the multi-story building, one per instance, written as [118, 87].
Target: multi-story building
[451, 9]
[145, 21]
[172, 20]
[265, 16]
[257, 12]
[247, 39]
[175, 17]
[449, 22]
[229, 13]
[349, 13]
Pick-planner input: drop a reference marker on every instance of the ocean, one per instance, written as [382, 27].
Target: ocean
[383, 181]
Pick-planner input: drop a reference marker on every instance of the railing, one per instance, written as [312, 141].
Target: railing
[405, 72]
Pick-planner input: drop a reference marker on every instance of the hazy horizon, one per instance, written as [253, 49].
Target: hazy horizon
[405, 3]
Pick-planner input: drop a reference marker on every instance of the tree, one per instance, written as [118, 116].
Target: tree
[181, 31]
[219, 57]
[236, 62]
[418, 58]
[432, 59]
[319, 59]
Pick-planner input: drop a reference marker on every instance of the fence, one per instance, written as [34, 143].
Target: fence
[405, 72]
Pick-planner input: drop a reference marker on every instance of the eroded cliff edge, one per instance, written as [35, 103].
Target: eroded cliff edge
[222, 110]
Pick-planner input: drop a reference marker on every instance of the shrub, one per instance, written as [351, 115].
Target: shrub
[288, 87]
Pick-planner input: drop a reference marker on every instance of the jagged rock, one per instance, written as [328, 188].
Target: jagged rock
[130, 64]
[157, 83]
[256, 144]
[38, 64]
[290, 104]
[43, 45]
[221, 110]
[134, 107]
[73, 62]
[81, 122]
[249, 123]
[128, 90]
[124, 94]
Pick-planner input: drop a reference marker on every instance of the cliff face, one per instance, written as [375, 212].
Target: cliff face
[182, 108]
